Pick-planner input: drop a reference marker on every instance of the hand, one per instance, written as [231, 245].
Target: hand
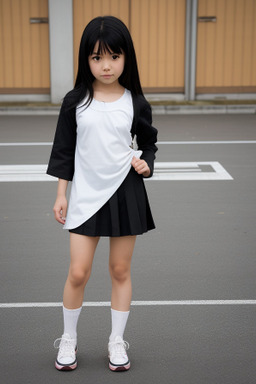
[140, 166]
[60, 209]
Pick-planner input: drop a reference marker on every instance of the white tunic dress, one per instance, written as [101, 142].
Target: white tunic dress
[103, 156]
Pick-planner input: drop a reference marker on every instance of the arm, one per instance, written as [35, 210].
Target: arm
[146, 139]
[61, 163]
[60, 206]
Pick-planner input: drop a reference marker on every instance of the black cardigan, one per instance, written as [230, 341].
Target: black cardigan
[61, 163]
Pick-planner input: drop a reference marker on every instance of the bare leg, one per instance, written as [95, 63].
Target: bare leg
[121, 250]
[82, 249]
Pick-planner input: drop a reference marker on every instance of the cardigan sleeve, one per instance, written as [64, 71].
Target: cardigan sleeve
[61, 163]
[146, 137]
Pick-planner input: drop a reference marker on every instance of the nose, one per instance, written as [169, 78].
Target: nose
[106, 65]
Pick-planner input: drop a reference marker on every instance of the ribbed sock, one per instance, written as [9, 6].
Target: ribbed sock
[71, 317]
[119, 320]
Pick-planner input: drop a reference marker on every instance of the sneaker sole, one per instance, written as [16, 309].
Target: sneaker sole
[118, 368]
[69, 367]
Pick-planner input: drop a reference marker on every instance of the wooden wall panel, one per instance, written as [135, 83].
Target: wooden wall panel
[226, 49]
[24, 47]
[158, 31]
[6, 64]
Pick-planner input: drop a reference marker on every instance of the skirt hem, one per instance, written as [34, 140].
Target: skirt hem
[108, 235]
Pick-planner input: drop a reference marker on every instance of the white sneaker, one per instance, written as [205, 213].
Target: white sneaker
[118, 359]
[66, 358]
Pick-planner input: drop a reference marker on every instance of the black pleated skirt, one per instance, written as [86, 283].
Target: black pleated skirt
[126, 213]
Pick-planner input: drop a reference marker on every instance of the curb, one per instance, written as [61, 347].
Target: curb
[156, 109]
[203, 109]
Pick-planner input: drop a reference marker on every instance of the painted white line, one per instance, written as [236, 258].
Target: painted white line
[28, 144]
[48, 143]
[208, 142]
[22, 168]
[175, 170]
[27, 172]
[163, 171]
[133, 303]
[30, 112]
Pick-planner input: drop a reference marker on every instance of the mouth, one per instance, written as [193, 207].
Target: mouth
[107, 76]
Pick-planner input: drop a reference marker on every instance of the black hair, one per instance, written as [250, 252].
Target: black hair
[113, 37]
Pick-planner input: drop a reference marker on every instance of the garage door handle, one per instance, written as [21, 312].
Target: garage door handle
[38, 20]
[207, 19]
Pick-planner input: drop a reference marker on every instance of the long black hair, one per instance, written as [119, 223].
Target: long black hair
[113, 37]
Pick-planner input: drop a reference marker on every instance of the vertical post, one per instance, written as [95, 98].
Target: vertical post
[187, 49]
[193, 49]
[190, 51]
[61, 47]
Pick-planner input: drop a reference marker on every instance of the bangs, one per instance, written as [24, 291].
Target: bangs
[110, 34]
[107, 47]
[109, 41]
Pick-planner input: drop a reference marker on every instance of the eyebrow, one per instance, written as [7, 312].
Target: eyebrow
[99, 54]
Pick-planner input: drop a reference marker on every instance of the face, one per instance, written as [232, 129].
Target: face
[106, 67]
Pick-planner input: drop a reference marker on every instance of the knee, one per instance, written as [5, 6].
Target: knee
[78, 276]
[119, 272]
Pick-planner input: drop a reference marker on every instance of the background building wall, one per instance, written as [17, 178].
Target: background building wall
[185, 48]
[226, 48]
[24, 47]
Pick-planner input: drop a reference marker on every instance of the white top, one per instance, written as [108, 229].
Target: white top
[102, 158]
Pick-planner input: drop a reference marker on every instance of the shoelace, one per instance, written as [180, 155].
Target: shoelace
[120, 346]
[64, 345]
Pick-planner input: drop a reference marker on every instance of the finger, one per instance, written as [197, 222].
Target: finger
[64, 213]
[142, 170]
[140, 165]
[134, 161]
[61, 220]
[137, 161]
[59, 216]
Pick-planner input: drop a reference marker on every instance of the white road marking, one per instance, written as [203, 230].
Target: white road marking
[26, 144]
[178, 171]
[133, 303]
[208, 142]
[163, 171]
[27, 172]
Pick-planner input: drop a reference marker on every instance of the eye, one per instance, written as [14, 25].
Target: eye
[115, 57]
[96, 58]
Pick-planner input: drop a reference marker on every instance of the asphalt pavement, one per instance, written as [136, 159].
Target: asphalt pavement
[193, 318]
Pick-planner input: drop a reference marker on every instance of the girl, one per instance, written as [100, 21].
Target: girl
[93, 148]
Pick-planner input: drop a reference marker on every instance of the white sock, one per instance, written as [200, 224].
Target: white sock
[70, 317]
[119, 320]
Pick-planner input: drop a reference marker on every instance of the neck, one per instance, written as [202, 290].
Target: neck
[107, 88]
[103, 92]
